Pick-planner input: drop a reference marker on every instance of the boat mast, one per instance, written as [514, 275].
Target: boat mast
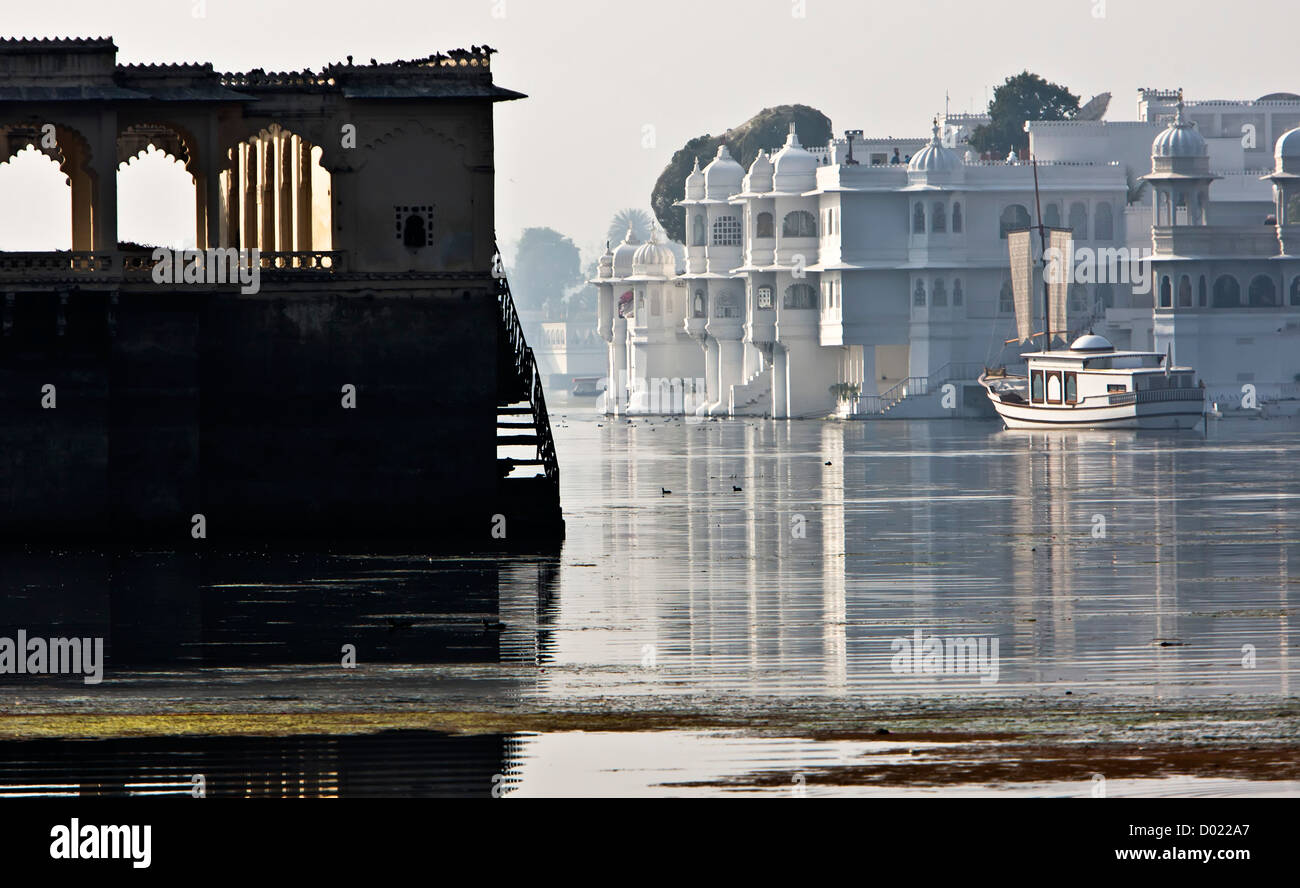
[1042, 242]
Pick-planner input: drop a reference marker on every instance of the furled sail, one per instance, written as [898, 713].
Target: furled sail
[1022, 281]
[1060, 243]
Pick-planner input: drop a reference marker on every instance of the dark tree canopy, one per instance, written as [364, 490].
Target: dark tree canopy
[765, 130]
[547, 264]
[1023, 97]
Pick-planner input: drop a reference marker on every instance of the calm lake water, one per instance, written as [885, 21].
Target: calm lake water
[802, 584]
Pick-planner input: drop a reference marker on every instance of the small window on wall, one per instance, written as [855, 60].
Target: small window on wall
[1166, 292]
[414, 226]
[726, 232]
[940, 293]
[956, 218]
[1185, 292]
[799, 296]
[918, 218]
[957, 295]
[726, 306]
[1006, 299]
[1036, 386]
[698, 231]
[918, 294]
[764, 297]
[939, 217]
[764, 228]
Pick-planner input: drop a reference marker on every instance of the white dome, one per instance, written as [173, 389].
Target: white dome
[1287, 153]
[935, 157]
[624, 253]
[1180, 138]
[654, 257]
[1091, 342]
[695, 183]
[722, 176]
[794, 169]
[760, 174]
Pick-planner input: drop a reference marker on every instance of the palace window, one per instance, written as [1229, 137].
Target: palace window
[918, 218]
[1201, 291]
[1263, 292]
[918, 294]
[764, 297]
[1079, 220]
[726, 307]
[940, 293]
[1184, 291]
[726, 232]
[799, 296]
[956, 218]
[1103, 223]
[763, 228]
[800, 223]
[940, 217]
[1166, 292]
[698, 230]
[1014, 218]
[1227, 292]
[957, 295]
[1006, 299]
[1052, 216]
[415, 226]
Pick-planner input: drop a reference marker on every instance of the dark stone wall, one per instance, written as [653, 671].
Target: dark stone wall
[231, 407]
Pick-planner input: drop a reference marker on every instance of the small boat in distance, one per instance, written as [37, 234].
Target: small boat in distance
[1091, 385]
[587, 387]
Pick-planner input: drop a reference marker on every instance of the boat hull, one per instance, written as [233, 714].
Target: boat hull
[1172, 413]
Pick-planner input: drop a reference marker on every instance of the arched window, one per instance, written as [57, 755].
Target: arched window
[1079, 220]
[939, 217]
[764, 297]
[918, 293]
[1180, 210]
[1166, 292]
[918, 218]
[1006, 299]
[1263, 292]
[726, 306]
[799, 223]
[1105, 297]
[764, 226]
[699, 231]
[956, 218]
[726, 231]
[1295, 290]
[1052, 216]
[1103, 223]
[799, 296]
[1201, 291]
[699, 306]
[957, 295]
[1014, 218]
[939, 293]
[413, 233]
[1292, 210]
[1227, 292]
[1184, 291]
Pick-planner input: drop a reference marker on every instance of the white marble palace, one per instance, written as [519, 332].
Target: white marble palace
[837, 279]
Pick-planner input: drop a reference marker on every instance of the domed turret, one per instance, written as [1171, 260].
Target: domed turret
[654, 258]
[624, 253]
[935, 157]
[1180, 138]
[605, 265]
[695, 183]
[793, 168]
[722, 176]
[1287, 153]
[759, 179]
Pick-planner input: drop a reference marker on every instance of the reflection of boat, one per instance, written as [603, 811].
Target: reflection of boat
[1091, 385]
[586, 387]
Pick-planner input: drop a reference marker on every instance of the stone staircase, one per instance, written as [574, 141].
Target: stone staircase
[753, 397]
[920, 397]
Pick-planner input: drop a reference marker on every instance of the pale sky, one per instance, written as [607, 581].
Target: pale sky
[598, 73]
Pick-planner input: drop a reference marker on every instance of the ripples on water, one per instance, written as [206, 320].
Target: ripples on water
[1107, 563]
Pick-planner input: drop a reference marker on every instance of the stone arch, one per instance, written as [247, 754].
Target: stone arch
[1013, 218]
[1227, 292]
[1262, 292]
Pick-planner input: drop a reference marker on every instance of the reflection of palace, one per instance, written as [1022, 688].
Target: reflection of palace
[834, 278]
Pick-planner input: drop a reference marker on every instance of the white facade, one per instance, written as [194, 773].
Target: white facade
[811, 278]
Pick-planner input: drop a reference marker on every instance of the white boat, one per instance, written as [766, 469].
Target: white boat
[1090, 385]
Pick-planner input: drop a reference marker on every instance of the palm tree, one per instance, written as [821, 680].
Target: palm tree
[638, 219]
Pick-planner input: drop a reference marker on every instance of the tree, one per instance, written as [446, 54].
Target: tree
[638, 219]
[546, 265]
[766, 130]
[1023, 97]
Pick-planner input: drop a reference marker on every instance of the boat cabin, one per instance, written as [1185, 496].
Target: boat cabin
[1092, 373]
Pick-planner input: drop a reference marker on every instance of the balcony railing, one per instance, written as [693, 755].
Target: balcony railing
[135, 264]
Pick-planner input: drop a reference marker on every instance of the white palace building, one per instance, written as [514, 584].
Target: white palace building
[832, 280]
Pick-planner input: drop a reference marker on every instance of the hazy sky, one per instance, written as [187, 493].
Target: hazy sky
[598, 73]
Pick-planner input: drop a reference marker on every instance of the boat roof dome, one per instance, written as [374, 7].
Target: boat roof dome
[1091, 342]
